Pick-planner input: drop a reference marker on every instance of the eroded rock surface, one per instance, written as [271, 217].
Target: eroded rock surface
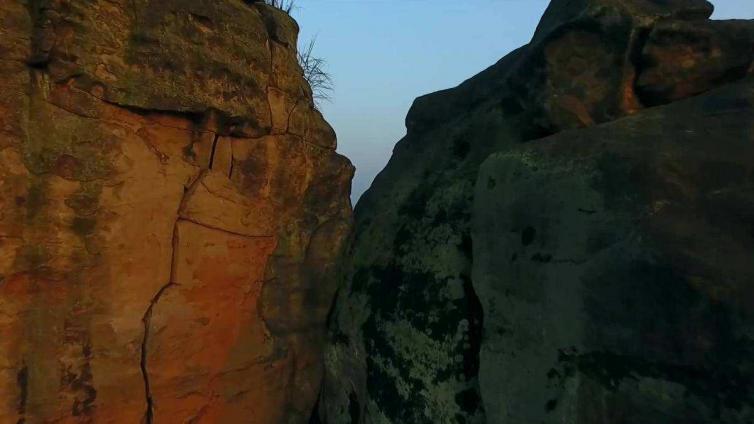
[615, 267]
[603, 274]
[171, 212]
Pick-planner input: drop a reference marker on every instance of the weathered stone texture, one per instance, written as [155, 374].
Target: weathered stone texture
[518, 295]
[615, 268]
[171, 213]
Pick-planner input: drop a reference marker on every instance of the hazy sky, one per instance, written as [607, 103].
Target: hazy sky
[384, 53]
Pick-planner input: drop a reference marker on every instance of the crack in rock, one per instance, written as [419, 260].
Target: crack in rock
[214, 148]
[149, 413]
[147, 318]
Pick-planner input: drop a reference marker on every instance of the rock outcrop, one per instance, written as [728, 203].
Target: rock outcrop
[615, 266]
[565, 237]
[172, 210]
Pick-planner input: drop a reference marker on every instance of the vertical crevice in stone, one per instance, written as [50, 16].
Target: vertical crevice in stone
[149, 413]
[269, 107]
[147, 318]
[314, 417]
[471, 400]
[232, 166]
[639, 39]
[476, 328]
[22, 380]
[44, 36]
[214, 148]
[630, 102]
[354, 408]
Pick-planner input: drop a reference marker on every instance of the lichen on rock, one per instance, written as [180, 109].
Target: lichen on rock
[569, 227]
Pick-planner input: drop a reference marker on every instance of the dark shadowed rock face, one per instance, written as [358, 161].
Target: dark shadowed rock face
[615, 268]
[601, 274]
[171, 213]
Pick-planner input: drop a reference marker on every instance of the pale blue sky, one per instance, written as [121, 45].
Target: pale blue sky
[384, 53]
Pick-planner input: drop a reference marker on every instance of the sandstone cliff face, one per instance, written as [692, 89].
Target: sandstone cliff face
[171, 213]
[602, 274]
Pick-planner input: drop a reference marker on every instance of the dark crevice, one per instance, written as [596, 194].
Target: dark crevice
[528, 235]
[222, 123]
[22, 380]
[210, 120]
[336, 335]
[354, 408]
[638, 40]
[205, 21]
[38, 64]
[149, 413]
[40, 12]
[314, 417]
[214, 148]
[196, 118]
[470, 400]
[476, 328]
[329, 321]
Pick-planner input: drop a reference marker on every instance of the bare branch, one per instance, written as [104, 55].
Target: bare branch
[314, 72]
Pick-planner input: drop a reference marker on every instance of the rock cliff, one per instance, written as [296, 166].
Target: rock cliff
[565, 237]
[171, 213]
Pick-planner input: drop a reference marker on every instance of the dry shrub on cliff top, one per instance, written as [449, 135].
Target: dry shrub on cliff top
[313, 66]
[314, 72]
